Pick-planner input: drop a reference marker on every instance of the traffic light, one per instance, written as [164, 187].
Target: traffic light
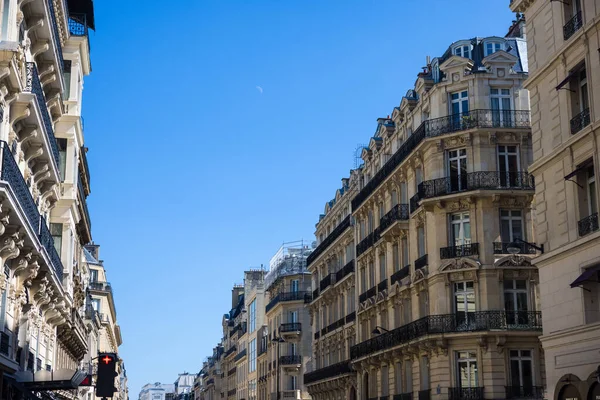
[107, 371]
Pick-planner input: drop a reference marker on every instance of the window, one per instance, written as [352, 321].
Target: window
[508, 166]
[394, 198]
[515, 301]
[396, 257]
[381, 211]
[252, 316]
[93, 275]
[573, 18]
[405, 255]
[435, 70]
[363, 279]
[457, 169]
[590, 188]
[424, 372]
[464, 302]
[423, 304]
[96, 305]
[408, 376]
[460, 107]
[460, 229]
[580, 106]
[382, 271]
[62, 157]
[385, 376]
[370, 222]
[492, 47]
[501, 109]
[421, 240]
[252, 363]
[418, 177]
[467, 369]
[403, 193]
[398, 377]
[511, 225]
[371, 274]
[294, 285]
[463, 51]
[56, 232]
[521, 372]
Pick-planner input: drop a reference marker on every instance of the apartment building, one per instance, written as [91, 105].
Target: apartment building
[564, 83]
[333, 306]
[288, 286]
[156, 391]
[234, 327]
[211, 387]
[254, 293]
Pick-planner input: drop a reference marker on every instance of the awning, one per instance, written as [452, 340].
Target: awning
[589, 275]
[570, 76]
[62, 379]
[580, 167]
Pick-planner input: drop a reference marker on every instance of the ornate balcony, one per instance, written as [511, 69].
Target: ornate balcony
[48, 243]
[524, 392]
[526, 248]
[295, 327]
[465, 250]
[478, 321]
[351, 317]
[100, 286]
[421, 262]
[290, 360]
[367, 242]
[326, 282]
[284, 297]
[400, 274]
[381, 286]
[240, 355]
[331, 371]
[78, 25]
[368, 294]
[84, 226]
[291, 394]
[399, 212]
[474, 393]
[580, 121]
[588, 224]
[230, 351]
[336, 233]
[574, 24]
[438, 127]
[345, 271]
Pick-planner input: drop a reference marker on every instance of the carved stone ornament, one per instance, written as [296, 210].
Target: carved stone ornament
[457, 141]
[420, 218]
[459, 205]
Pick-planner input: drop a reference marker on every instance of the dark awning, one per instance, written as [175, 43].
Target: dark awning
[62, 379]
[83, 7]
[570, 76]
[589, 275]
[580, 168]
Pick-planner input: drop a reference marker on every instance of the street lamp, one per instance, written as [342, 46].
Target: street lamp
[378, 329]
[278, 340]
[514, 248]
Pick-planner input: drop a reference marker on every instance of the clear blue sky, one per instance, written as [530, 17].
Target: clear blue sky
[197, 176]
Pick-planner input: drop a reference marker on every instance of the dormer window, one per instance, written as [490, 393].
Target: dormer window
[435, 71]
[463, 51]
[492, 47]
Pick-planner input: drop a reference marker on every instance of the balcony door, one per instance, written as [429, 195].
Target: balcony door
[467, 369]
[501, 109]
[521, 373]
[293, 317]
[460, 108]
[460, 229]
[457, 169]
[508, 166]
[516, 302]
[511, 225]
[464, 304]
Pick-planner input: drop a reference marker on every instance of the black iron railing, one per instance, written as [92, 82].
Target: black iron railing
[317, 335]
[47, 242]
[473, 393]
[84, 161]
[351, 317]
[78, 25]
[403, 396]
[442, 126]
[421, 262]
[83, 202]
[101, 286]
[465, 250]
[315, 295]
[400, 274]
[286, 296]
[231, 392]
[336, 233]
[425, 394]
[326, 282]
[588, 224]
[480, 180]
[330, 371]
[572, 26]
[240, 355]
[4, 343]
[399, 212]
[524, 392]
[290, 360]
[232, 371]
[231, 350]
[580, 121]
[414, 203]
[347, 270]
[381, 286]
[56, 39]
[383, 397]
[526, 248]
[367, 242]
[34, 86]
[337, 324]
[290, 327]
[450, 323]
[211, 381]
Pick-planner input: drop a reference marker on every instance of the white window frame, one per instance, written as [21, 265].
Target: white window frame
[463, 50]
[496, 46]
[463, 218]
[510, 218]
[591, 191]
[520, 358]
[469, 358]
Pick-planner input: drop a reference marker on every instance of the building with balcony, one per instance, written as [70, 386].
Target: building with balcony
[211, 376]
[333, 305]
[254, 294]
[564, 74]
[288, 286]
[156, 391]
[234, 325]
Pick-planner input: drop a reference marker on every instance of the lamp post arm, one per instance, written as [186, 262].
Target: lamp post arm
[540, 248]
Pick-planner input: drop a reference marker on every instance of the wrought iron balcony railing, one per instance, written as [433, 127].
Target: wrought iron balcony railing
[421, 262]
[351, 317]
[317, 335]
[588, 224]
[450, 323]
[473, 393]
[78, 25]
[4, 343]
[240, 355]
[100, 286]
[328, 372]
[580, 121]
[231, 350]
[367, 242]
[33, 85]
[572, 26]
[425, 394]
[442, 126]
[85, 167]
[524, 392]
[56, 39]
[400, 274]
[290, 327]
[399, 212]
[336, 233]
[337, 324]
[286, 296]
[465, 250]
[84, 206]
[403, 396]
[290, 360]
[326, 282]
[481, 180]
[315, 295]
[526, 248]
[381, 286]
[345, 271]
[47, 242]
[414, 203]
